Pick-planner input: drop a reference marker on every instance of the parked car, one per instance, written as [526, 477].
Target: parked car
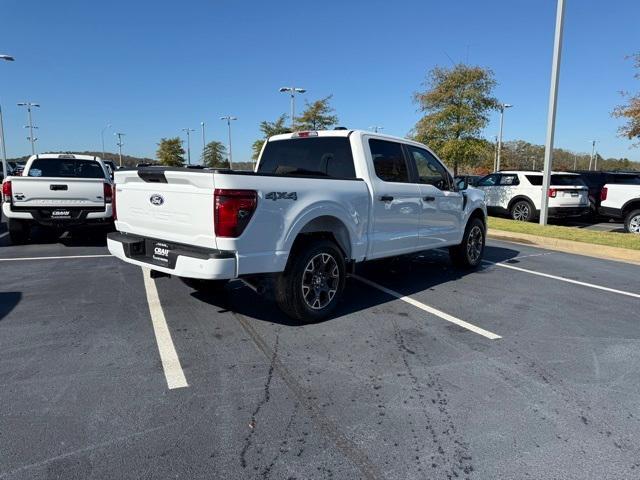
[622, 202]
[518, 193]
[59, 191]
[318, 203]
[9, 172]
[595, 180]
[111, 166]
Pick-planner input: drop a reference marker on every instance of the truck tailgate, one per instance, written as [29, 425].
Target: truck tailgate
[34, 192]
[176, 206]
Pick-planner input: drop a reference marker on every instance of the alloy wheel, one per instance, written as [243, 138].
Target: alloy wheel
[521, 212]
[320, 281]
[475, 244]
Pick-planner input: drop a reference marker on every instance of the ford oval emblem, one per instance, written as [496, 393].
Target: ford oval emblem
[156, 199]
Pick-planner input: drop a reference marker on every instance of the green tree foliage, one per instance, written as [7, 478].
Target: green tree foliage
[457, 102]
[170, 152]
[319, 115]
[215, 155]
[269, 129]
[630, 111]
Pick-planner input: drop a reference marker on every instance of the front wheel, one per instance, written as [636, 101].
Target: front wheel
[522, 211]
[311, 285]
[632, 222]
[471, 250]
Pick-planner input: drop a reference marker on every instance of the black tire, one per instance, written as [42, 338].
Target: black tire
[522, 210]
[19, 231]
[205, 286]
[312, 283]
[469, 253]
[632, 222]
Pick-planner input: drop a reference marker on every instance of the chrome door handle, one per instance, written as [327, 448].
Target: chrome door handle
[386, 198]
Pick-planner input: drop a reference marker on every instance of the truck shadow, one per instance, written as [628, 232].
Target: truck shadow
[8, 301]
[406, 275]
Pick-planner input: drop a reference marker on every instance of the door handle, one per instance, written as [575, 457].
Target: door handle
[428, 199]
[58, 187]
[386, 198]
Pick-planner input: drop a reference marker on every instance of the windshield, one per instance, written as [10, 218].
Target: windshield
[65, 167]
[325, 156]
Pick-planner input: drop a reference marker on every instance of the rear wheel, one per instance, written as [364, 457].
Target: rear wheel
[310, 287]
[522, 210]
[19, 231]
[470, 251]
[632, 222]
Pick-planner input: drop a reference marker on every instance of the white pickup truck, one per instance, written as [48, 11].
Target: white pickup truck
[622, 202]
[317, 203]
[57, 191]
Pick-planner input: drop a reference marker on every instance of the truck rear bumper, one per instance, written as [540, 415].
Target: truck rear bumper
[75, 216]
[172, 258]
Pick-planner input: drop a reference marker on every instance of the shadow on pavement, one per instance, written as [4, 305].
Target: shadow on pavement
[8, 301]
[407, 275]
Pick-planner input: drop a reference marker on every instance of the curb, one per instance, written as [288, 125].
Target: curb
[569, 246]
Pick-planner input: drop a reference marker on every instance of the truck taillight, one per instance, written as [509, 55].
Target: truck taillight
[114, 215]
[552, 193]
[108, 193]
[6, 191]
[603, 193]
[232, 211]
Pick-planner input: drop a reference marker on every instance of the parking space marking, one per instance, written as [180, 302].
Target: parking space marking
[563, 279]
[4, 234]
[170, 362]
[429, 309]
[19, 259]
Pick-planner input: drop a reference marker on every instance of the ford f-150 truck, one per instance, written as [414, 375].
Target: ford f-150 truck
[58, 191]
[622, 202]
[316, 204]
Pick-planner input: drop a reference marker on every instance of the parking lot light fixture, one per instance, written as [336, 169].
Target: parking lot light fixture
[292, 91]
[107, 127]
[31, 138]
[120, 144]
[376, 128]
[502, 108]
[188, 132]
[229, 119]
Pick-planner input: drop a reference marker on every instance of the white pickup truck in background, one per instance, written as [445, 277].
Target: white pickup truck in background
[57, 191]
[317, 203]
[622, 202]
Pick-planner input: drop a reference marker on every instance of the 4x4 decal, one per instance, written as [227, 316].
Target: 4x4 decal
[281, 196]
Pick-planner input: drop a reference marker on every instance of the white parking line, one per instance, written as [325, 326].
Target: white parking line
[4, 234]
[563, 279]
[431, 310]
[19, 259]
[168, 355]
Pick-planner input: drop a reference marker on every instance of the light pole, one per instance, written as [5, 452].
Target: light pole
[228, 119]
[551, 120]
[292, 91]
[120, 144]
[502, 108]
[495, 153]
[188, 131]
[102, 137]
[204, 143]
[5, 171]
[376, 128]
[31, 138]
[593, 151]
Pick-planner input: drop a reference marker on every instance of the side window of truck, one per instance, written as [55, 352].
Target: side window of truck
[430, 170]
[388, 161]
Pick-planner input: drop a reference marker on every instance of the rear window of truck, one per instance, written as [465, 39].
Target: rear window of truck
[65, 167]
[317, 156]
[558, 180]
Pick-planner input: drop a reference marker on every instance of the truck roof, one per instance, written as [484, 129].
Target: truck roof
[341, 133]
[63, 155]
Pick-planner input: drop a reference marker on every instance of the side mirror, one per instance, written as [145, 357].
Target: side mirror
[462, 184]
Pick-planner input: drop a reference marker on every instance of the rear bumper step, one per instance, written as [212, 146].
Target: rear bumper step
[173, 258]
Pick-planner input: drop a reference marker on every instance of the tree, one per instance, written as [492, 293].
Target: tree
[457, 102]
[630, 111]
[318, 115]
[170, 152]
[214, 155]
[269, 129]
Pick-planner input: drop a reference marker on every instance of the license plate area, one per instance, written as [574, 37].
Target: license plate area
[60, 213]
[159, 253]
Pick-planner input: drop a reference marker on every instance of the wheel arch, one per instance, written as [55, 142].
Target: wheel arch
[518, 198]
[329, 227]
[631, 205]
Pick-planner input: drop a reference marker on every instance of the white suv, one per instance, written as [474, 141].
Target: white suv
[519, 194]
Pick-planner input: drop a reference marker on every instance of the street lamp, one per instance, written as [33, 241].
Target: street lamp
[31, 138]
[228, 119]
[376, 128]
[120, 144]
[593, 152]
[8, 58]
[102, 137]
[204, 143]
[188, 131]
[292, 91]
[502, 107]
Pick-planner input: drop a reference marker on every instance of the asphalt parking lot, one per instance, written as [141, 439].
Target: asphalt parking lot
[527, 368]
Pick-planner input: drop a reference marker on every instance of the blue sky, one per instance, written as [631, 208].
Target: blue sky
[153, 68]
